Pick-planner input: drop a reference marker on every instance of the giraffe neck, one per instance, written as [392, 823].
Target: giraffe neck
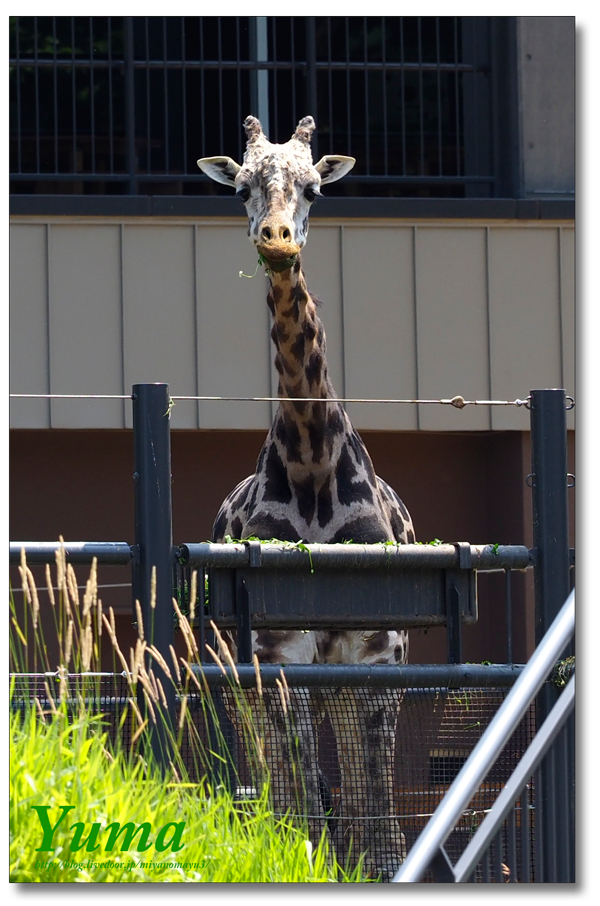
[301, 364]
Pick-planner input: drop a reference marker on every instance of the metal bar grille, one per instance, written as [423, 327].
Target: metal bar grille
[126, 105]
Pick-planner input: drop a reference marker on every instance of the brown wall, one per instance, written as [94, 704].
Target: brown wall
[458, 487]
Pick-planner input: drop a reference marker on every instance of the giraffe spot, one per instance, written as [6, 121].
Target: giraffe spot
[292, 312]
[305, 497]
[238, 499]
[327, 643]
[276, 294]
[309, 330]
[261, 459]
[362, 530]
[325, 504]
[218, 531]
[361, 455]
[236, 527]
[313, 368]
[299, 294]
[277, 487]
[288, 435]
[297, 348]
[265, 526]
[315, 435]
[278, 363]
[346, 470]
[402, 509]
[251, 502]
[410, 537]
[398, 526]
[354, 492]
[376, 642]
[335, 421]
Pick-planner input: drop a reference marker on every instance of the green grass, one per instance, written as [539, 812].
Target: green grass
[61, 754]
[70, 762]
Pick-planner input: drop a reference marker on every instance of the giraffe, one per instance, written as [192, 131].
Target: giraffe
[315, 482]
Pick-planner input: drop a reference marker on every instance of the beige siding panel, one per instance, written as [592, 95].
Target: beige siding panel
[379, 325]
[322, 267]
[85, 324]
[158, 313]
[452, 326]
[234, 347]
[524, 318]
[567, 296]
[28, 327]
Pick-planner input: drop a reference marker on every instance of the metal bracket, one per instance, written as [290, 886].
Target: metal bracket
[244, 621]
[453, 627]
[254, 553]
[465, 560]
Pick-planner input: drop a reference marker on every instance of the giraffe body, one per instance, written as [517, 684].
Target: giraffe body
[314, 479]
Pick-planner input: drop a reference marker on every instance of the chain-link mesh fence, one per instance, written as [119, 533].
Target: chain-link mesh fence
[369, 764]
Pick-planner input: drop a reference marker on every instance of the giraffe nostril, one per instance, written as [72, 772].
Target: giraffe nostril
[266, 233]
[285, 234]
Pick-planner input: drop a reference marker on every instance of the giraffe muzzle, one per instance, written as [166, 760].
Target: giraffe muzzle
[275, 251]
[276, 240]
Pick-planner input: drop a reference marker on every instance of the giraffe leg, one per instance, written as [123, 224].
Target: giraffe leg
[277, 732]
[364, 722]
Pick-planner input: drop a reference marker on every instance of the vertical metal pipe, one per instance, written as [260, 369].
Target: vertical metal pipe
[111, 98]
[509, 626]
[551, 541]
[550, 507]
[36, 70]
[311, 80]
[525, 838]
[55, 93]
[129, 106]
[497, 858]
[511, 854]
[165, 97]
[74, 167]
[92, 99]
[154, 545]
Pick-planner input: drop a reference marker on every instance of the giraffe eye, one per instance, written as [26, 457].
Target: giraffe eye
[310, 193]
[243, 193]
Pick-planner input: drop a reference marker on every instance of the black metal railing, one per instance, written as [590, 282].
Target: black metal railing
[126, 105]
[245, 595]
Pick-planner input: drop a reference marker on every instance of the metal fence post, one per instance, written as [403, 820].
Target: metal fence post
[154, 546]
[555, 822]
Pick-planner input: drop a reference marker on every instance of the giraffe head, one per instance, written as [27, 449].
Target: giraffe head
[277, 184]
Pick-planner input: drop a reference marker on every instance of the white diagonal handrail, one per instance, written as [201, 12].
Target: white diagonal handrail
[490, 745]
[526, 767]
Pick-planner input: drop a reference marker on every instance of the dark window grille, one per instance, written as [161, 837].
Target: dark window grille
[126, 105]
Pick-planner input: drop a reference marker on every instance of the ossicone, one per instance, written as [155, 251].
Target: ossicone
[253, 128]
[304, 130]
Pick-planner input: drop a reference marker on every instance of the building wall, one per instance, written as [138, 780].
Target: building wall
[462, 486]
[423, 309]
[546, 71]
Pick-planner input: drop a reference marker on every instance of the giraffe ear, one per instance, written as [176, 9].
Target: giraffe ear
[333, 166]
[221, 169]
